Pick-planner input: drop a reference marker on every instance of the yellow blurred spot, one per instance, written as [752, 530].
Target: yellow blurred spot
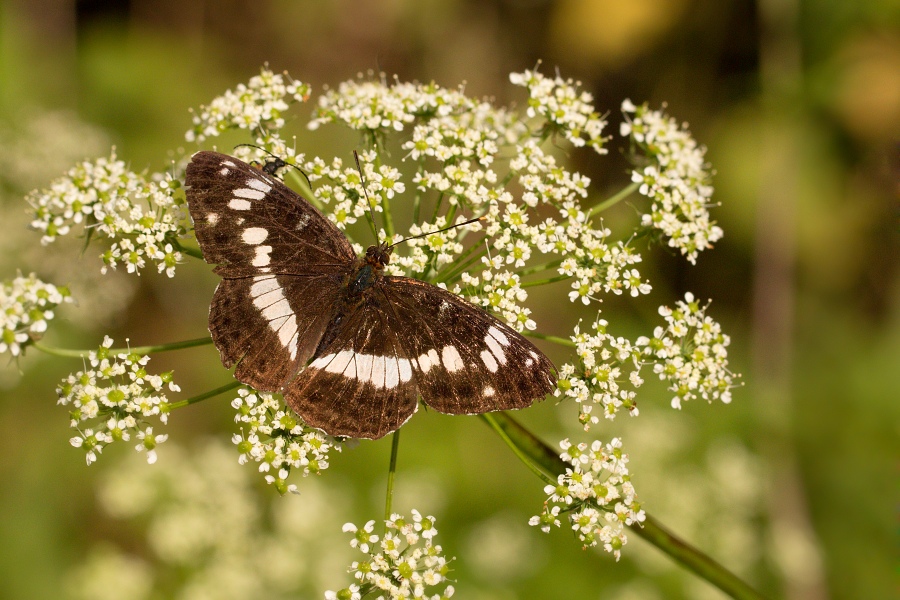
[610, 31]
[867, 95]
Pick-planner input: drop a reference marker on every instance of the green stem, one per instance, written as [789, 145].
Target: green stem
[545, 281]
[113, 351]
[417, 199]
[194, 399]
[463, 262]
[550, 338]
[190, 251]
[392, 468]
[538, 268]
[491, 419]
[385, 203]
[437, 207]
[627, 191]
[532, 449]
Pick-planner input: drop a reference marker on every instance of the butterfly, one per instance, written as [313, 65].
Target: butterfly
[351, 349]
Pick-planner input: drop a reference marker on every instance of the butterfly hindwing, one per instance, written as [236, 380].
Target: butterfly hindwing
[359, 384]
[248, 222]
[269, 325]
[465, 360]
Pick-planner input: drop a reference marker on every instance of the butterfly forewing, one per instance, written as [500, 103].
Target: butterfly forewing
[248, 222]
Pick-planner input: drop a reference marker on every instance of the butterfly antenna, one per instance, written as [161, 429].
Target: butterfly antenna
[362, 178]
[413, 237]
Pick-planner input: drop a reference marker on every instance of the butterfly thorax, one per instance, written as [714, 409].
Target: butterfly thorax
[368, 269]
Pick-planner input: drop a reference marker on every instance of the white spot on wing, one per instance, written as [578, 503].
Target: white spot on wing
[363, 370]
[212, 218]
[488, 359]
[239, 204]
[277, 323]
[405, 369]
[262, 257]
[228, 163]
[278, 309]
[254, 235]
[337, 363]
[428, 360]
[263, 285]
[498, 335]
[224, 171]
[262, 186]
[451, 359]
[249, 193]
[495, 348]
[286, 336]
[302, 223]
[321, 362]
[379, 369]
[488, 391]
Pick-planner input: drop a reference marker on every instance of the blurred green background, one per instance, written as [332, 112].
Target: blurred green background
[794, 485]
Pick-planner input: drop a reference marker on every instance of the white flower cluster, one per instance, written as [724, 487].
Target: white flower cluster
[342, 189]
[568, 109]
[278, 439]
[405, 563]
[472, 132]
[434, 249]
[607, 373]
[142, 216]
[27, 304]
[499, 291]
[596, 265]
[456, 142]
[595, 493]
[368, 105]
[257, 106]
[117, 395]
[690, 353]
[677, 180]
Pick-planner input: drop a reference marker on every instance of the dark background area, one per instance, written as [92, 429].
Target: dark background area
[799, 106]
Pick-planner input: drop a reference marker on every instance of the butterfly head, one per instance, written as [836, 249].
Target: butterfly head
[378, 256]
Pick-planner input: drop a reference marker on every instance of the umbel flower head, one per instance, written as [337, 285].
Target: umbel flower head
[27, 305]
[404, 563]
[675, 177]
[140, 217]
[690, 353]
[595, 494]
[113, 400]
[278, 440]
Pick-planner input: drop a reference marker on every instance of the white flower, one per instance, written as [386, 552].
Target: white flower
[26, 306]
[597, 478]
[678, 181]
[139, 216]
